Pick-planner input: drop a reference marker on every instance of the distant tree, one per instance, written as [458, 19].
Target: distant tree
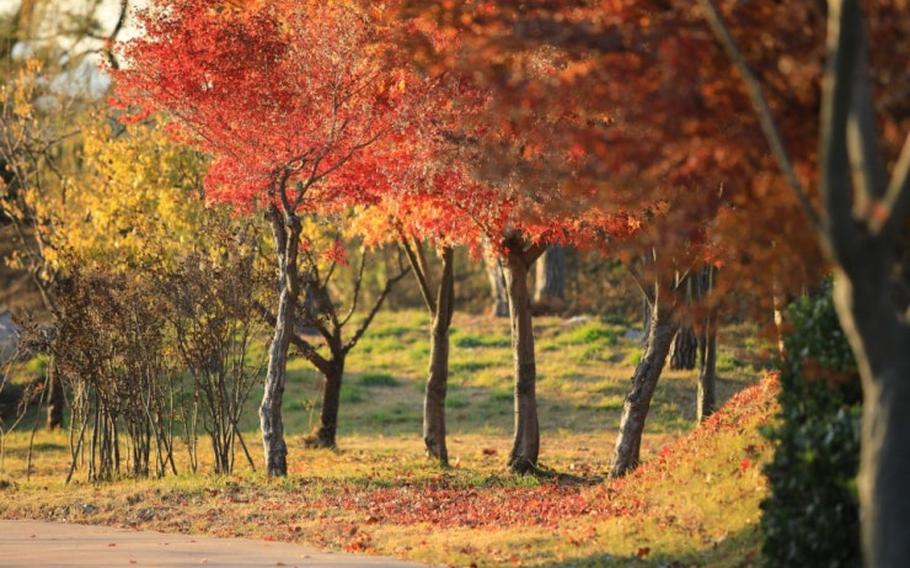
[298, 107]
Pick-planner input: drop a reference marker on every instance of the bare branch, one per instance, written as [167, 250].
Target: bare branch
[375, 309]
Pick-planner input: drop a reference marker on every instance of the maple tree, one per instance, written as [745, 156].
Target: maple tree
[297, 105]
[660, 91]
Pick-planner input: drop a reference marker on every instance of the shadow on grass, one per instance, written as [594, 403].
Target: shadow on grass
[741, 549]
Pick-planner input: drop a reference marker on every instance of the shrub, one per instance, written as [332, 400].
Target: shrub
[811, 515]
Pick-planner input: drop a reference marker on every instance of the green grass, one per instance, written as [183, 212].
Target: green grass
[583, 375]
[378, 380]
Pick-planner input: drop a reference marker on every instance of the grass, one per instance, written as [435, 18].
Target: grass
[692, 502]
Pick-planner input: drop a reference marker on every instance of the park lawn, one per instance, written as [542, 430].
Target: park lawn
[695, 501]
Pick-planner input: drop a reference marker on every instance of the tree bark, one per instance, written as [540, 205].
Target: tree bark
[526, 445]
[707, 375]
[550, 280]
[497, 277]
[55, 402]
[270, 419]
[326, 432]
[286, 231]
[881, 343]
[434, 403]
[635, 409]
[685, 348]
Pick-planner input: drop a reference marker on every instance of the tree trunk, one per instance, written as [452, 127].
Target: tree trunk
[325, 434]
[434, 403]
[286, 231]
[526, 445]
[270, 419]
[55, 402]
[635, 409]
[497, 277]
[685, 348]
[550, 281]
[707, 374]
[881, 343]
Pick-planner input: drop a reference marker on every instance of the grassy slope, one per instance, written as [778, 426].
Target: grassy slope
[695, 501]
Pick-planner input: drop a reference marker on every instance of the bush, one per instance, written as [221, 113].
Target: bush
[811, 516]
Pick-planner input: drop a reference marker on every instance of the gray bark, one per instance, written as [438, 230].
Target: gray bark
[286, 231]
[526, 445]
[434, 404]
[685, 348]
[661, 331]
[55, 402]
[550, 278]
[497, 277]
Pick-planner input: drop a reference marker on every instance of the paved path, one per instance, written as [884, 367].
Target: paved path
[26, 544]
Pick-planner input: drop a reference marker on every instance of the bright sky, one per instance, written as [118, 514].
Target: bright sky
[87, 76]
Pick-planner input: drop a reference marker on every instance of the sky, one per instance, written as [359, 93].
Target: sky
[87, 76]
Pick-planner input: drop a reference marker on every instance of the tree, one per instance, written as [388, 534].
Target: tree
[296, 104]
[863, 231]
[550, 280]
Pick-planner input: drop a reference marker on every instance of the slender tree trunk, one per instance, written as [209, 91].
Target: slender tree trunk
[497, 277]
[707, 374]
[635, 409]
[286, 231]
[526, 445]
[881, 343]
[55, 402]
[550, 280]
[780, 307]
[325, 435]
[434, 403]
[270, 419]
[685, 348]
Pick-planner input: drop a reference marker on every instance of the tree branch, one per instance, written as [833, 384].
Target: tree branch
[375, 309]
[844, 37]
[896, 202]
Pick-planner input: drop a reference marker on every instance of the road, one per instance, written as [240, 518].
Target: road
[25, 544]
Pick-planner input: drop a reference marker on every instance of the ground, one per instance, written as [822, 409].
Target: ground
[693, 502]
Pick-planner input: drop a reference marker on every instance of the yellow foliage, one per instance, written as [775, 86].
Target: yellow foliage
[140, 202]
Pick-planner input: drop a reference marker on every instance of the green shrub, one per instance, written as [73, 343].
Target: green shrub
[378, 380]
[811, 515]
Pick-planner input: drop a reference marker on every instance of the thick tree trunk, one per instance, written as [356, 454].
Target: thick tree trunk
[685, 349]
[707, 374]
[550, 280]
[55, 402]
[526, 445]
[434, 403]
[497, 277]
[881, 343]
[325, 434]
[635, 409]
[270, 419]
